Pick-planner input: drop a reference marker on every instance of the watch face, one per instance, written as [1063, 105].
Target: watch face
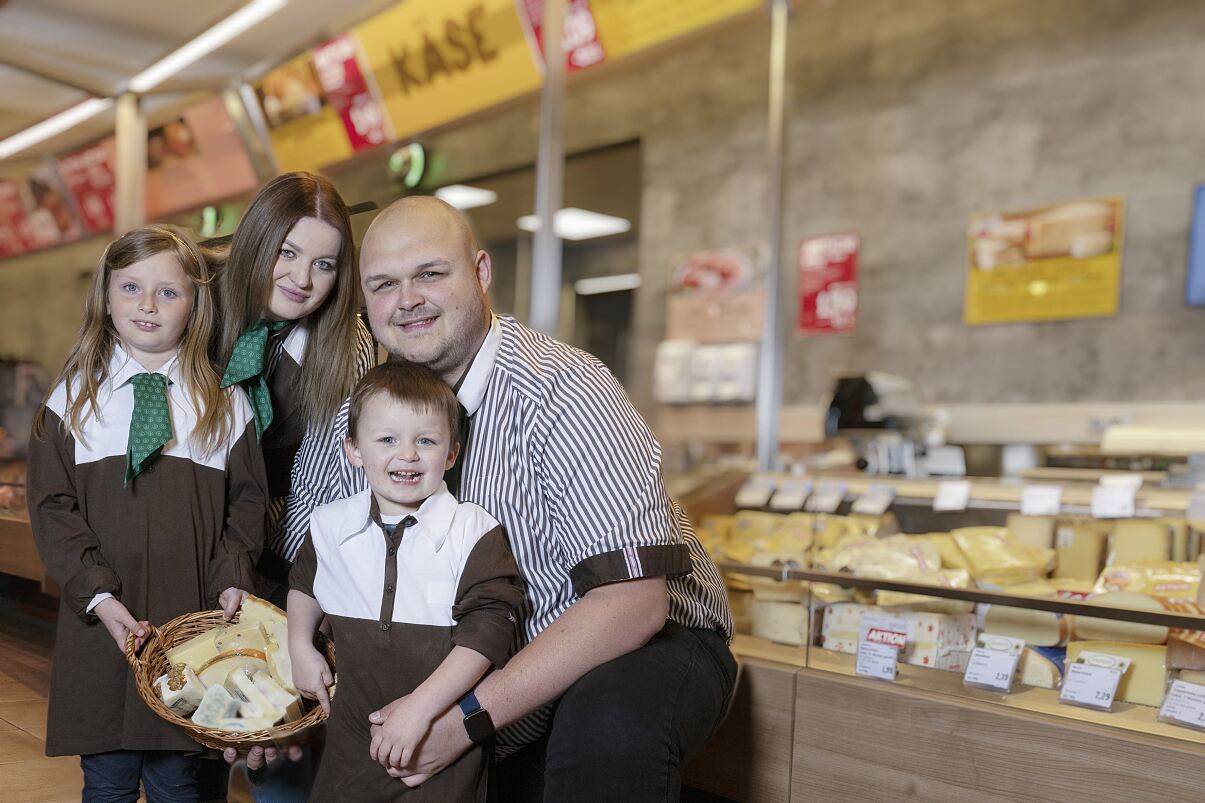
[479, 726]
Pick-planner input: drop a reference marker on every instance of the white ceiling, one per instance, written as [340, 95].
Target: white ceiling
[53, 53]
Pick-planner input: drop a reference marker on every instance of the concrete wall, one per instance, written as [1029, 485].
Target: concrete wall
[907, 117]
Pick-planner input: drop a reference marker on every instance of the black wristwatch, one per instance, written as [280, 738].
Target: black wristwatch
[477, 722]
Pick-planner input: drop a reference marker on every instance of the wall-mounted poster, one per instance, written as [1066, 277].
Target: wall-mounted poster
[828, 283]
[1051, 263]
[716, 297]
[305, 130]
[36, 211]
[89, 175]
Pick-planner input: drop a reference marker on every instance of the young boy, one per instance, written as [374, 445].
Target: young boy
[422, 593]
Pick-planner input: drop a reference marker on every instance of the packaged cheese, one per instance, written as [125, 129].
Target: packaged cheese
[947, 578]
[993, 552]
[951, 555]
[1144, 681]
[839, 628]
[253, 703]
[783, 622]
[938, 640]
[1090, 628]
[1079, 552]
[1184, 655]
[195, 652]
[217, 704]
[180, 689]
[1158, 578]
[750, 524]
[1035, 532]
[280, 697]
[1138, 541]
[219, 668]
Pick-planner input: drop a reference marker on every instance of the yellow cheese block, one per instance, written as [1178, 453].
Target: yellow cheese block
[196, 652]
[994, 552]
[1042, 628]
[1079, 552]
[1090, 628]
[750, 524]
[1193, 676]
[215, 672]
[951, 555]
[259, 610]
[1036, 532]
[784, 622]
[1143, 682]
[1138, 540]
[240, 636]
[1179, 531]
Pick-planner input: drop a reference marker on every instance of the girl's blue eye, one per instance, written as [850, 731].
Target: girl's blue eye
[169, 293]
[130, 287]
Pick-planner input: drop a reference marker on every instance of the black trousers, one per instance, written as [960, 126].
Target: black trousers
[623, 731]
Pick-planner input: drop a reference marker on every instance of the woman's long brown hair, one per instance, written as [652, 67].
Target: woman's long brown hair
[90, 357]
[245, 286]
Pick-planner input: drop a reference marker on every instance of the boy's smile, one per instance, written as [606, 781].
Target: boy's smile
[404, 452]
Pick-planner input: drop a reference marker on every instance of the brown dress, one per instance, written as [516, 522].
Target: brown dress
[381, 656]
[169, 543]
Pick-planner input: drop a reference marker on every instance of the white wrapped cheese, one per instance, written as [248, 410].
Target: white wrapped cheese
[216, 705]
[180, 689]
[253, 703]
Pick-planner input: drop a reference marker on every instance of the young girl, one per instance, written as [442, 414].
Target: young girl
[147, 495]
[289, 333]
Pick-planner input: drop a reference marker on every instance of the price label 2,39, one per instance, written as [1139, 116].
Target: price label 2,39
[1184, 705]
[1090, 686]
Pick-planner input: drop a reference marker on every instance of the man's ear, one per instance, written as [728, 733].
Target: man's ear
[484, 269]
[353, 454]
[453, 453]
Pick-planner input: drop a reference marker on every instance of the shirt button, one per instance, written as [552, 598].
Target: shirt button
[389, 588]
[384, 625]
[391, 551]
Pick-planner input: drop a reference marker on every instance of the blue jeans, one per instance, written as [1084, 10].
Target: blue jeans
[283, 782]
[168, 777]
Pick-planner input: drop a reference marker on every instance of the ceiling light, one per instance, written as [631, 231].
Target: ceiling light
[53, 125]
[607, 284]
[463, 196]
[572, 223]
[237, 23]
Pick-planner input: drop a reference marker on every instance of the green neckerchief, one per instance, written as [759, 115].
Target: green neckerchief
[150, 425]
[246, 368]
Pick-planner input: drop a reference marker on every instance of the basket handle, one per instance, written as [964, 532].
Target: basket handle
[132, 653]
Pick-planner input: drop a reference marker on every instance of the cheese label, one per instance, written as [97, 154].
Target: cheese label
[877, 660]
[827, 498]
[791, 495]
[756, 492]
[1113, 502]
[875, 501]
[952, 495]
[993, 663]
[879, 629]
[1091, 681]
[1041, 500]
[1184, 705]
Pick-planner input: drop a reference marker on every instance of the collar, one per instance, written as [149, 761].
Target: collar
[123, 367]
[472, 386]
[295, 341]
[434, 516]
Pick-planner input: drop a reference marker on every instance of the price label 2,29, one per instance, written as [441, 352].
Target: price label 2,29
[1090, 686]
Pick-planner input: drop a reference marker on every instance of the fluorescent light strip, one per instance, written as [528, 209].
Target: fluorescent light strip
[237, 23]
[606, 284]
[53, 126]
[463, 196]
[572, 223]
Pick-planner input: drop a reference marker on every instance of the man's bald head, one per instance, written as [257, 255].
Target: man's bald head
[426, 212]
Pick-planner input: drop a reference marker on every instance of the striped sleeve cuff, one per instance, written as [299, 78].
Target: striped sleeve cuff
[630, 563]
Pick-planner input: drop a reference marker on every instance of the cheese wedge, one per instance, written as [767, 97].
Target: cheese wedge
[1036, 532]
[195, 652]
[256, 610]
[1138, 540]
[252, 701]
[280, 663]
[1079, 552]
[216, 705]
[1144, 681]
[180, 689]
[218, 669]
[240, 636]
[1182, 655]
[1041, 667]
[278, 696]
[1090, 628]
[783, 622]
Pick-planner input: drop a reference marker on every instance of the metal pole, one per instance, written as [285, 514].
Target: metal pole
[770, 357]
[243, 108]
[550, 170]
[130, 195]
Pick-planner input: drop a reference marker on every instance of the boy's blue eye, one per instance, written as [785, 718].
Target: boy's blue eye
[426, 441]
[387, 439]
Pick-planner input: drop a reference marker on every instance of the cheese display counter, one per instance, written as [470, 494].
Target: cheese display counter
[1057, 657]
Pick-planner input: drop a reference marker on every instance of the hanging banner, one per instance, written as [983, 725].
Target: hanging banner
[828, 283]
[716, 297]
[579, 40]
[438, 62]
[36, 212]
[1051, 263]
[347, 90]
[12, 211]
[305, 130]
[629, 26]
[89, 175]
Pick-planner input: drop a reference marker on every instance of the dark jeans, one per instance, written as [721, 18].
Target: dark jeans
[623, 731]
[113, 777]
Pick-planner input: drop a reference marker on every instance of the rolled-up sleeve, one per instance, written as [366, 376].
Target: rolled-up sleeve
[602, 475]
[488, 599]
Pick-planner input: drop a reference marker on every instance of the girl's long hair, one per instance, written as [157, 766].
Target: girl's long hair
[90, 357]
[245, 286]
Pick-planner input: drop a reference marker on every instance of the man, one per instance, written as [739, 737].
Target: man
[625, 669]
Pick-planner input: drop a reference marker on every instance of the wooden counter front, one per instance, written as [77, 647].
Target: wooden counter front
[18, 554]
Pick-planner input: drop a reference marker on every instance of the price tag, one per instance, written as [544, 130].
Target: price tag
[791, 495]
[993, 663]
[1184, 705]
[756, 492]
[877, 661]
[875, 501]
[827, 498]
[1091, 681]
[1041, 500]
[1112, 502]
[952, 495]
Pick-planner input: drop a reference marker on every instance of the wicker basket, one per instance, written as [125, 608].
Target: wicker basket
[151, 662]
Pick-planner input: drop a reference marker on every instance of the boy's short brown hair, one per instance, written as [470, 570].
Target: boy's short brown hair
[410, 384]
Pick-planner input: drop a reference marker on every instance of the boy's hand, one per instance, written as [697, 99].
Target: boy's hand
[117, 620]
[230, 601]
[406, 725]
[311, 675]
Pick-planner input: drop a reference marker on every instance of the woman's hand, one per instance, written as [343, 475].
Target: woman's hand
[230, 601]
[117, 620]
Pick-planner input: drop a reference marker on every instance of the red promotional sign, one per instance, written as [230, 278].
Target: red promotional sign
[12, 211]
[88, 174]
[828, 283]
[580, 34]
[348, 92]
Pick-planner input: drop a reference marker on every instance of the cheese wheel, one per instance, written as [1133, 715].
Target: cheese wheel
[1091, 628]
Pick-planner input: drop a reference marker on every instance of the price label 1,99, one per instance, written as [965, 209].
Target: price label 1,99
[877, 660]
[1184, 705]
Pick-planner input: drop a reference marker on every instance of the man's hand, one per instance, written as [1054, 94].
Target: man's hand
[311, 674]
[230, 601]
[446, 741]
[117, 620]
[260, 757]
